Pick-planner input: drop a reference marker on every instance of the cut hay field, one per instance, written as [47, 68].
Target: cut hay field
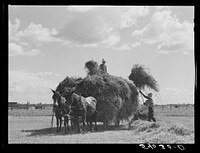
[172, 126]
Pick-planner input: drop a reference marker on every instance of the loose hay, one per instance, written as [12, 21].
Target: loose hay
[141, 126]
[179, 129]
[161, 132]
[68, 82]
[92, 68]
[141, 78]
[141, 112]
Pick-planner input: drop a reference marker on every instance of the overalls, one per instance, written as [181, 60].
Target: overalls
[149, 104]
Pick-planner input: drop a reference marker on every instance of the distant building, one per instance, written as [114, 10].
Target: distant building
[12, 105]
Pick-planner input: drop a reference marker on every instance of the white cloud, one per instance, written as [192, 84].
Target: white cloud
[34, 35]
[136, 44]
[37, 34]
[186, 53]
[176, 95]
[159, 8]
[129, 17]
[126, 46]
[45, 74]
[80, 9]
[35, 86]
[15, 50]
[13, 29]
[110, 41]
[100, 25]
[32, 52]
[163, 52]
[167, 32]
[86, 29]
[123, 47]
[23, 43]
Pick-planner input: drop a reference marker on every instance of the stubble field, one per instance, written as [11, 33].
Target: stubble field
[172, 126]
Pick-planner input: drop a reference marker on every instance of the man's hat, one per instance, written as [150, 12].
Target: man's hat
[103, 60]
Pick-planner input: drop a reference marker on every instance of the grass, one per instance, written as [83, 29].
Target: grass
[180, 111]
[37, 130]
[32, 126]
[175, 112]
[35, 112]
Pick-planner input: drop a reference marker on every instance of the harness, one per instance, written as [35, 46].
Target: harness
[78, 99]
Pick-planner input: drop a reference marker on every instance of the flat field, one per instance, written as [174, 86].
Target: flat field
[172, 126]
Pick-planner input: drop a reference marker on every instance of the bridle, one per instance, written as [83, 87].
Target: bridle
[61, 103]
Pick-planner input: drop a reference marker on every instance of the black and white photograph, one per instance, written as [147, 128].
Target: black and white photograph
[101, 74]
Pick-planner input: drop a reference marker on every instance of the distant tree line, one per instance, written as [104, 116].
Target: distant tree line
[175, 105]
[29, 106]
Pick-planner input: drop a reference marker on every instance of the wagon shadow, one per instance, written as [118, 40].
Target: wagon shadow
[112, 128]
[46, 131]
[49, 131]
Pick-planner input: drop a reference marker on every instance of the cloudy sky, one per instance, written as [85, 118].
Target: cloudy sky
[48, 43]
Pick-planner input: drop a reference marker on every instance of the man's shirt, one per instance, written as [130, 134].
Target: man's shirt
[103, 68]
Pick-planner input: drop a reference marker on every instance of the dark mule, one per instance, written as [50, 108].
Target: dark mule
[84, 107]
[91, 119]
[61, 110]
[58, 117]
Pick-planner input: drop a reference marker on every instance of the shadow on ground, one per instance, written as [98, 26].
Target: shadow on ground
[52, 131]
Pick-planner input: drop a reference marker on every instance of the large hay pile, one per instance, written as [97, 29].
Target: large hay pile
[117, 97]
[130, 106]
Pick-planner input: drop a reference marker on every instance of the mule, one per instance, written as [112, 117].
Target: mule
[61, 110]
[84, 107]
[58, 116]
[91, 119]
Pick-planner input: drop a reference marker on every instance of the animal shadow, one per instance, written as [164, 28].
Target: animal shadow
[52, 131]
[47, 131]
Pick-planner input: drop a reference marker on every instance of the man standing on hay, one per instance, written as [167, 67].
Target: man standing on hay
[149, 104]
[103, 67]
